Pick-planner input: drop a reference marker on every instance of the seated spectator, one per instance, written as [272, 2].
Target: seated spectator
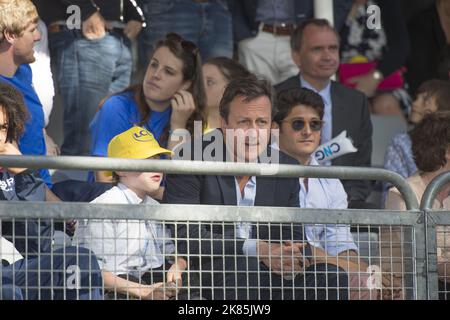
[217, 73]
[131, 253]
[41, 274]
[18, 34]
[299, 118]
[432, 96]
[315, 50]
[386, 47]
[431, 150]
[227, 255]
[171, 97]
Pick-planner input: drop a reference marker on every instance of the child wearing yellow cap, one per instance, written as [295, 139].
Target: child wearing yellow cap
[131, 252]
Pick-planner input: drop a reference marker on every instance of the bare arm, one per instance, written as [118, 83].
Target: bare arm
[156, 291]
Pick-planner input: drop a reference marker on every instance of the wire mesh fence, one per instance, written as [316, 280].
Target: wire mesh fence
[153, 252]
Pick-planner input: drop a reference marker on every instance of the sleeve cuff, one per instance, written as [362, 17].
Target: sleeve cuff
[249, 247]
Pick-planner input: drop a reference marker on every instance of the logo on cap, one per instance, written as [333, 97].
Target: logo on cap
[143, 136]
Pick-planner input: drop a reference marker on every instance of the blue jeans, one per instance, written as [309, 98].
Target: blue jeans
[50, 277]
[206, 24]
[86, 71]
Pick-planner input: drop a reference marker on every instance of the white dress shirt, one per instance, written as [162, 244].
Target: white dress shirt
[326, 194]
[125, 246]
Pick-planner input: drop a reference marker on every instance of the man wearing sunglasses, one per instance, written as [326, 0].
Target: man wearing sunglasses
[299, 119]
[315, 50]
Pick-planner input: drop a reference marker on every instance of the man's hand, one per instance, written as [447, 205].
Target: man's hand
[94, 27]
[283, 258]
[132, 29]
[11, 149]
[51, 146]
[175, 272]
[156, 291]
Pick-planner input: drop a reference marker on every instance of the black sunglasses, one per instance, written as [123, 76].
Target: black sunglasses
[299, 124]
[185, 44]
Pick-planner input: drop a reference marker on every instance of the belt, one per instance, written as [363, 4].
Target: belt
[279, 30]
[58, 27]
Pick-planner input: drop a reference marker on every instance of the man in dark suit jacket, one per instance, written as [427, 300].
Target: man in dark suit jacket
[240, 250]
[315, 50]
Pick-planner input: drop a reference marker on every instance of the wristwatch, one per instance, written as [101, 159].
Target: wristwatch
[377, 75]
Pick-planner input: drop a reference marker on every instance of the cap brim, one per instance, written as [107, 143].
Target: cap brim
[154, 152]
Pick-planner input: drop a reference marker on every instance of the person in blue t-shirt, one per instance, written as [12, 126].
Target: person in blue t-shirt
[171, 97]
[17, 37]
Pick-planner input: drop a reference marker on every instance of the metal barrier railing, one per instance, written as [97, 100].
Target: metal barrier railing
[414, 286]
[424, 237]
[214, 168]
[436, 219]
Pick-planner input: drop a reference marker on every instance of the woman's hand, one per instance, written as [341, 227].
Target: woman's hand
[183, 106]
[366, 83]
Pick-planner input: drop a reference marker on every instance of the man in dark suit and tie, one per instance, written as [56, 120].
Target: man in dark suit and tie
[242, 255]
[315, 50]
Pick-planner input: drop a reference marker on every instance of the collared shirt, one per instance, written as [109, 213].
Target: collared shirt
[326, 194]
[125, 246]
[275, 11]
[244, 229]
[325, 93]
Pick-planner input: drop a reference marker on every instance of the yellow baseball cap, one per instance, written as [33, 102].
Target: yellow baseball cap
[135, 143]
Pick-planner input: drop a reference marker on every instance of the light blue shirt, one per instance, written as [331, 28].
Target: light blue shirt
[244, 229]
[325, 93]
[326, 194]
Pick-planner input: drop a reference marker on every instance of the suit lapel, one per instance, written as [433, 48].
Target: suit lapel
[265, 191]
[339, 111]
[228, 188]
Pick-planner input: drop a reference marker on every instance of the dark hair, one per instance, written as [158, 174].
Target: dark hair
[443, 69]
[431, 140]
[439, 89]
[250, 88]
[288, 99]
[15, 111]
[229, 68]
[297, 35]
[189, 54]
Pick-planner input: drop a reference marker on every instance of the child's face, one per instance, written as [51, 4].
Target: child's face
[142, 183]
[3, 125]
[421, 106]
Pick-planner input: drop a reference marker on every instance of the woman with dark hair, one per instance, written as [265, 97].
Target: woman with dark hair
[171, 97]
[432, 95]
[431, 150]
[217, 73]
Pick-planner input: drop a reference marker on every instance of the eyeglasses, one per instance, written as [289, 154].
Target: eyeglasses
[185, 44]
[299, 124]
